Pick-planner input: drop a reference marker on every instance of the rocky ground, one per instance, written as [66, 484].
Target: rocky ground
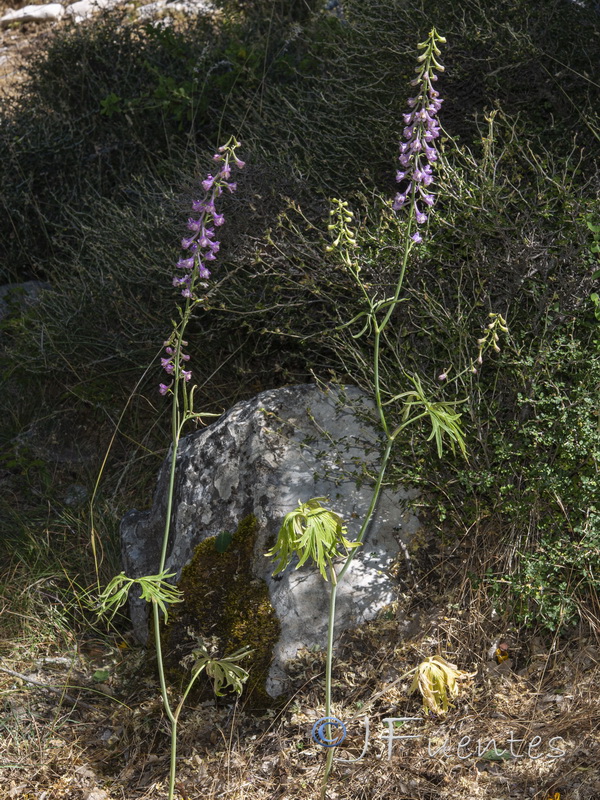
[17, 42]
[20, 38]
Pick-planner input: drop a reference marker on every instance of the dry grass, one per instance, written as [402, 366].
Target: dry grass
[105, 737]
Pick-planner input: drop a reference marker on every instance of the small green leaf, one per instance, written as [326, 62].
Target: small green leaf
[101, 675]
[494, 755]
[222, 541]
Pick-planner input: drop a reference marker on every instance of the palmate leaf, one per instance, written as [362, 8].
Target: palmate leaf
[153, 589]
[225, 672]
[311, 531]
[437, 681]
[442, 416]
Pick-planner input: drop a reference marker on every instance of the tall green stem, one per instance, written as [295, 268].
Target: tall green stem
[176, 426]
[379, 329]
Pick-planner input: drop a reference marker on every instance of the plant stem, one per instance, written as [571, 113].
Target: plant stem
[328, 671]
[176, 426]
[379, 329]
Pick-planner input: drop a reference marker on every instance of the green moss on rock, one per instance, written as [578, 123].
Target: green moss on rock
[224, 602]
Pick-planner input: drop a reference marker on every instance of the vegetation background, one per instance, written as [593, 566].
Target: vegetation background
[101, 151]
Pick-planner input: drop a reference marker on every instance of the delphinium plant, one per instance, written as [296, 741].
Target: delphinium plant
[193, 271]
[333, 553]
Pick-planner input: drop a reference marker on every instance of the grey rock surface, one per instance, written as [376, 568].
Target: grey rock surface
[263, 457]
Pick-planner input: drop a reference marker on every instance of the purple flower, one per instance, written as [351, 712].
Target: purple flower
[399, 202]
[201, 246]
[417, 151]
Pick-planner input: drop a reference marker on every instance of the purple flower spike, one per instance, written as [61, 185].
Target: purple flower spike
[201, 246]
[417, 151]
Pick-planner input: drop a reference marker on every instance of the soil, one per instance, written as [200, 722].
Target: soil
[17, 42]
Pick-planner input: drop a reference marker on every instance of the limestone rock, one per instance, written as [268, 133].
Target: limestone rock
[188, 7]
[83, 9]
[261, 458]
[49, 11]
